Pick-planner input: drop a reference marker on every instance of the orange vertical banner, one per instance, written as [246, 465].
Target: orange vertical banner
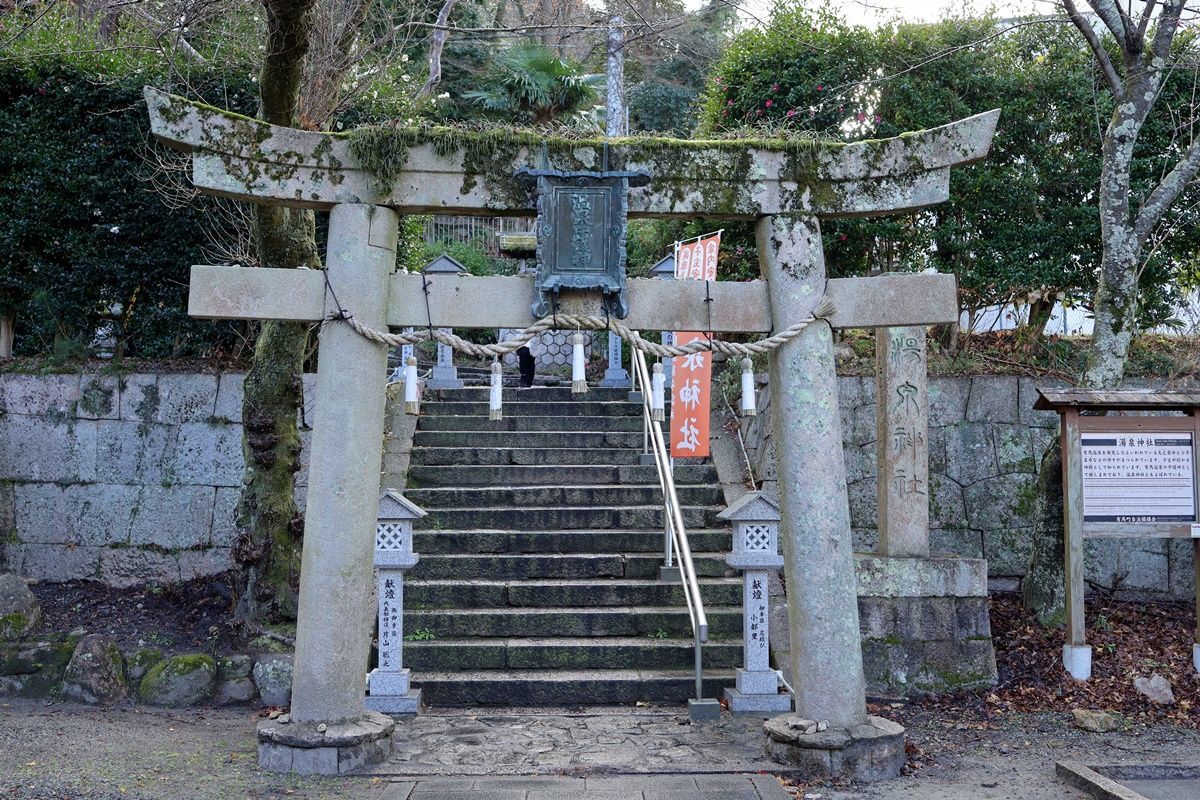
[691, 385]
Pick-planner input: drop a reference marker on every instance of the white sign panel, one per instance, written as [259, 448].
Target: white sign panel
[1139, 477]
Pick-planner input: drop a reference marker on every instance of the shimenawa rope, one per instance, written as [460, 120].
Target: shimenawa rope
[823, 310]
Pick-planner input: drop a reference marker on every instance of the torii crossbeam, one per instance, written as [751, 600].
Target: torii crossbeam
[785, 190]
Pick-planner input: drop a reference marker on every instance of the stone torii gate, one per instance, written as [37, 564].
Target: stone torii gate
[366, 182]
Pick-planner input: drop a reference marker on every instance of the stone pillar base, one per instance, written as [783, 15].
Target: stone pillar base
[1078, 661]
[746, 703]
[870, 752]
[286, 746]
[394, 704]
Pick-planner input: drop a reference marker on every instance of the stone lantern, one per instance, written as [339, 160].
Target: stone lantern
[388, 684]
[755, 519]
[445, 374]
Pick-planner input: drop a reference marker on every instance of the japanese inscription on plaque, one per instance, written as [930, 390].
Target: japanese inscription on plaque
[1139, 477]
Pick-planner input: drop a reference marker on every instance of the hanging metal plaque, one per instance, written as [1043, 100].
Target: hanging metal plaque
[581, 234]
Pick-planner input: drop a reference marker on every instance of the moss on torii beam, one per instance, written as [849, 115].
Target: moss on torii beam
[452, 171]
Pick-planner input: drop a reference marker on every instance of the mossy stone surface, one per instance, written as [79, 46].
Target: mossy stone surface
[139, 662]
[19, 609]
[178, 681]
[96, 672]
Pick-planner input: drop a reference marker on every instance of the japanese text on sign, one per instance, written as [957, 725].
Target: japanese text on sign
[691, 384]
[1139, 477]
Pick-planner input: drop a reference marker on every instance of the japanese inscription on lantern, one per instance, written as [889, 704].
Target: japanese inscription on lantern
[1139, 477]
[691, 381]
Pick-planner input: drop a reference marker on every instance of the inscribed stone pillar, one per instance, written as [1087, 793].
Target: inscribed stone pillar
[615, 374]
[333, 626]
[902, 446]
[444, 374]
[826, 652]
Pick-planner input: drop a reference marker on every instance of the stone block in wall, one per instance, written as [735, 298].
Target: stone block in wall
[1007, 550]
[924, 624]
[993, 399]
[1027, 395]
[135, 453]
[228, 406]
[860, 462]
[957, 541]
[224, 530]
[92, 514]
[1139, 565]
[864, 540]
[99, 397]
[937, 449]
[858, 424]
[1180, 564]
[208, 454]
[947, 509]
[173, 517]
[306, 437]
[42, 449]
[1005, 501]
[170, 398]
[948, 401]
[53, 396]
[195, 564]
[1014, 448]
[130, 566]
[864, 505]
[970, 455]
[59, 562]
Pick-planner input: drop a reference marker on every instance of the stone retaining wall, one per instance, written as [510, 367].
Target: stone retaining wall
[985, 441]
[122, 479]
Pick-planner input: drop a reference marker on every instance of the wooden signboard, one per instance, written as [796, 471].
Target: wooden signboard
[1124, 476]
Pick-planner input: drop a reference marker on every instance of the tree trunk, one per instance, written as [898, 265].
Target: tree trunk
[267, 552]
[1043, 589]
[8, 321]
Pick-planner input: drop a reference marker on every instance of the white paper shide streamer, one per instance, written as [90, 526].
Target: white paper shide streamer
[749, 409]
[658, 394]
[412, 403]
[496, 396]
[578, 377]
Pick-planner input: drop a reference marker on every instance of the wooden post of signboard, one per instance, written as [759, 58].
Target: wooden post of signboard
[1144, 480]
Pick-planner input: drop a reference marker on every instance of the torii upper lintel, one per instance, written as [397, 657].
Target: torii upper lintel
[468, 174]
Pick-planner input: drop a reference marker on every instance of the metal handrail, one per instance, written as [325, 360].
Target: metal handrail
[676, 534]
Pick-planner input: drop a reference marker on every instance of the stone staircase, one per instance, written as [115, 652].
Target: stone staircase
[538, 579]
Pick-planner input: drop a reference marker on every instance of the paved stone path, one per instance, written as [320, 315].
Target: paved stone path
[1165, 788]
[574, 742]
[622, 787]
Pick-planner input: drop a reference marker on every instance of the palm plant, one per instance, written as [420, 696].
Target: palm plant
[531, 83]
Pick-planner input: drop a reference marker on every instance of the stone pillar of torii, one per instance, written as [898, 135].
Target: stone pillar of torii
[330, 729]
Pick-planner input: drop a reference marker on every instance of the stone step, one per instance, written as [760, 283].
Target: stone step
[565, 687]
[524, 456]
[521, 497]
[573, 653]
[507, 566]
[724, 622]
[551, 474]
[522, 408]
[529, 424]
[563, 518]
[535, 439]
[538, 394]
[577, 541]
[473, 593]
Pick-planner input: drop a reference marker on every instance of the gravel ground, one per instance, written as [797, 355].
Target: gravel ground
[67, 752]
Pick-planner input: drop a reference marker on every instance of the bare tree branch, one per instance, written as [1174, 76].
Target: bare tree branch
[1089, 34]
[435, 50]
[1168, 191]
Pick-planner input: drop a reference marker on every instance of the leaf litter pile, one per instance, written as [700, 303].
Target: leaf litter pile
[1128, 639]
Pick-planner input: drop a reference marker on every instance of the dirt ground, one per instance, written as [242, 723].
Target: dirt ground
[73, 752]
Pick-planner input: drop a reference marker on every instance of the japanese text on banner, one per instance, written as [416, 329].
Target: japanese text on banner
[691, 386]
